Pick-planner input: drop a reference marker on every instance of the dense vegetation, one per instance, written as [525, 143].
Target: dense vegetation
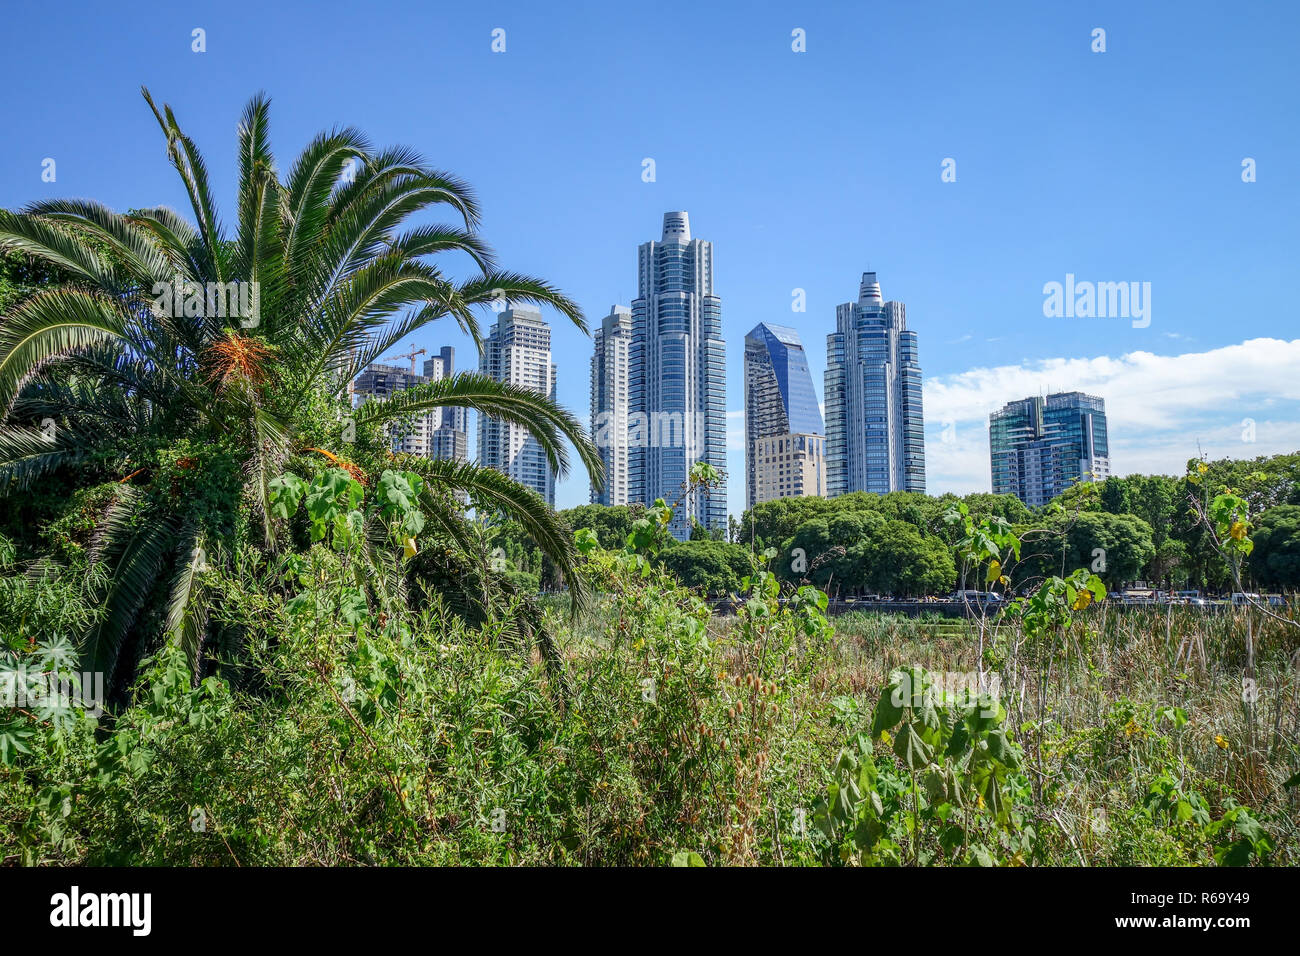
[304, 649]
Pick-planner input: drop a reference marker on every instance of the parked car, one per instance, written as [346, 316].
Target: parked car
[1243, 598]
[976, 597]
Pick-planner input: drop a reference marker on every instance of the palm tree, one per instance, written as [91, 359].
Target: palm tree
[127, 358]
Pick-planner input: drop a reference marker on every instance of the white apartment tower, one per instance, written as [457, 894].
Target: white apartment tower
[518, 351]
[609, 403]
[449, 437]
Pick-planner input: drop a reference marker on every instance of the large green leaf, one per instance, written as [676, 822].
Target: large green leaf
[910, 748]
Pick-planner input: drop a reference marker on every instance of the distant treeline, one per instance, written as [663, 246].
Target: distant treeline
[1133, 528]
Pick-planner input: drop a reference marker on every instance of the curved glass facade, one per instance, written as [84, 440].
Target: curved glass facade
[875, 424]
[677, 376]
[784, 443]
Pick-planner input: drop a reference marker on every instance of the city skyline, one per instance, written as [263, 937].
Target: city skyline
[1099, 169]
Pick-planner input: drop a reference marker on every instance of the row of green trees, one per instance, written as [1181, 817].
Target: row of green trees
[1124, 529]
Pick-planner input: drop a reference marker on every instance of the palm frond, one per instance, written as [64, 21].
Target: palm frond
[187, 613]
[27, 454]
[270, 452]
[307, 191]
[134, 249]
[511, 287]
[188, 162]
[134, 552]
[359, 309]
[363, 229]
[430, 240]
[49, 324]
[174, 234]
[494, 491]
[398, 163]
[546, 421]
[259, 255]
[43, 240]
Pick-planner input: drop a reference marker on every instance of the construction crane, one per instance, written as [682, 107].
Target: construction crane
[411, 355]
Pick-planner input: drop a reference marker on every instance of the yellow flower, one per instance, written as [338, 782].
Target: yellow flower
[1132, 728]
[1221, 743]
[1238, 530]
[979, 801]
[1083, 600]
[1202, 468]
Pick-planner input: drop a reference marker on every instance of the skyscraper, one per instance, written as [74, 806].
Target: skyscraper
[518, 351]
[785, 452]
[677, 376]
[875, 429]
[449, 438]
[439, 433]
[1039, 447]
[609, 403]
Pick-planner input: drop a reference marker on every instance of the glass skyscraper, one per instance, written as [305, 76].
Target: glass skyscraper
[784, 438]
[1039, 447]
[875, 428]
[677, 376]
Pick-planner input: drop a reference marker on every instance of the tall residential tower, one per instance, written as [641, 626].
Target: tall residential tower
[449, 438]
[677, 376]
[518, 351]
[785, 451]
[609, 403]
[1039, 447]
[875, 429]
[440, 433]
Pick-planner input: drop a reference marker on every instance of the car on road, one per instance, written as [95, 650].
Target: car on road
[977, 598]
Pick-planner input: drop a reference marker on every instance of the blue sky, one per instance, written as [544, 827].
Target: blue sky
[803, 169]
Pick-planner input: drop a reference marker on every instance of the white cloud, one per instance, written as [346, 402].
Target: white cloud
[1158, 407]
